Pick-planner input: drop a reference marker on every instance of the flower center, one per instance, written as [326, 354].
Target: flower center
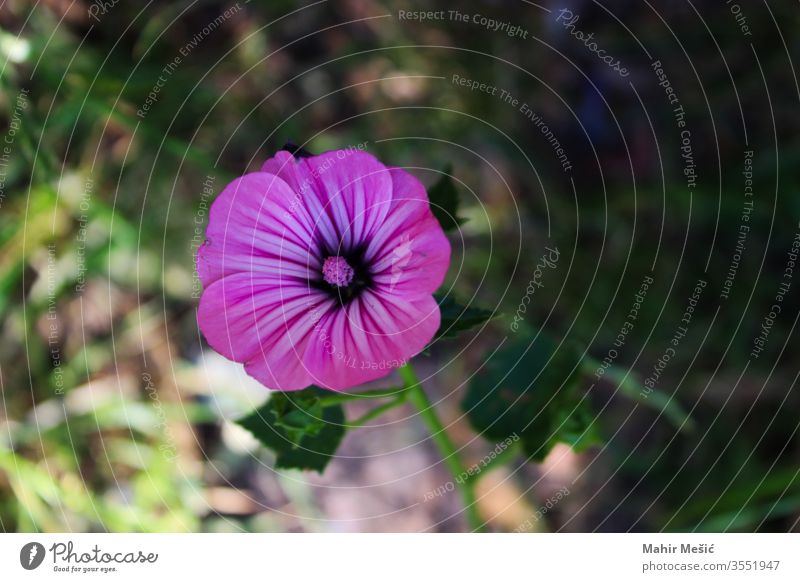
[336, 271]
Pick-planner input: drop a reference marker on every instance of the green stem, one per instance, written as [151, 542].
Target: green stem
[350, 396]
[417, 396]
[376, 412]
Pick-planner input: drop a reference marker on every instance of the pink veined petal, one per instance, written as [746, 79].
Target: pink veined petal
[240, 312]
[264, 323]
[284, 164]
[258, 224]
[368, 338]
[410, 253]
[297, 174]
[355, 190]
[283, 366]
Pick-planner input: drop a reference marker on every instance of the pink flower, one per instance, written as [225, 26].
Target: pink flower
[301, 276]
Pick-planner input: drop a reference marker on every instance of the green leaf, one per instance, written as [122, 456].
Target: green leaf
[531, 388]
[457, 318]
[303, 432]
[443, 198]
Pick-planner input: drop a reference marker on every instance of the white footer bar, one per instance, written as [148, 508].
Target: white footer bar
[389, 557]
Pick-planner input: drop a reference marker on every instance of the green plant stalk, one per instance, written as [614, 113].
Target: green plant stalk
[362, 396]
[466, 488]
[657, 400]
[376, 412]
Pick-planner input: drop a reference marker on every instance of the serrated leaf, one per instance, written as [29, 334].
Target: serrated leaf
[457, 318]
[302, 432]
[530, 387]
[444, 201]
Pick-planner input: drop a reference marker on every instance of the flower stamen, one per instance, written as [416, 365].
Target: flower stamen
[336, 271]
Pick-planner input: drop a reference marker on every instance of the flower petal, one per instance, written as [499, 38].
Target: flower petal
[300, 178]
[264, 322]
[354, 189]
[258, 224]
[368, 338]
[410, 254]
